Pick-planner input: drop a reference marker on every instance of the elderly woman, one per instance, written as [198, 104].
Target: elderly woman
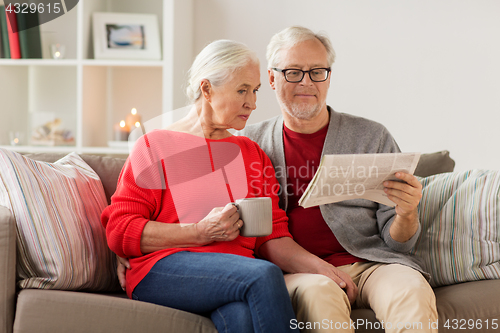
[171, 214]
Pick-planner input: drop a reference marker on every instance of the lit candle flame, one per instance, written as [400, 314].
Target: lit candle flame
[137, 124]
[134, 111]
[122, 123]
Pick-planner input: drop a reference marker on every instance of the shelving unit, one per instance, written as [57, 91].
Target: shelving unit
[91, 95]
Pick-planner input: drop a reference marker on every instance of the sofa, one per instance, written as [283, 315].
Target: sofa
[473, 306]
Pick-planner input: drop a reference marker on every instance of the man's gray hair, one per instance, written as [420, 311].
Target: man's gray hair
[215, 63]
[292, 36]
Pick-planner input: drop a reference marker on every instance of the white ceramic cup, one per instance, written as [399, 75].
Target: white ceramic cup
[257, 216]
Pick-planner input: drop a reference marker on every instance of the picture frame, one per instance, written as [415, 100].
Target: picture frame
[126, 36]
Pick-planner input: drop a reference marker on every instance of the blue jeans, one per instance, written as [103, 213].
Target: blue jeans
[240, 294]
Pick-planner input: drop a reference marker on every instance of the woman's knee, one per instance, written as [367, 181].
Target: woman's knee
[267, 280]
[233, 317]
[266, 270]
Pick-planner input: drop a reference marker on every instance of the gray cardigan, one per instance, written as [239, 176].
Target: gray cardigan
[360, 226]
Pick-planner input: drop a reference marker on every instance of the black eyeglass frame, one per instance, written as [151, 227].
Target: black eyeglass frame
[328, 70]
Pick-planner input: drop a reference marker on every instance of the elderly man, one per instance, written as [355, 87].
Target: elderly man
[365, 243]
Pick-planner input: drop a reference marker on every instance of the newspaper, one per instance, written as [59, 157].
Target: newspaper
[357, 176]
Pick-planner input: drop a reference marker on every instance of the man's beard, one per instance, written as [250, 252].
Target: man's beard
[301, 111]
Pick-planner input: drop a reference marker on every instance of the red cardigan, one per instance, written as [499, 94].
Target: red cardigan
[174, 177]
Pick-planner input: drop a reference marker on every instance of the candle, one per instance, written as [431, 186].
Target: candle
[133, 118]
[57, 51]
[121, 131]
[16, 138]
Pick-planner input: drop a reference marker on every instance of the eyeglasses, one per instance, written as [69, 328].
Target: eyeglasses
[296, 75]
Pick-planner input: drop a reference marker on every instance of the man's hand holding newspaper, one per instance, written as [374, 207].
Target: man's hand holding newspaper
[345, 177]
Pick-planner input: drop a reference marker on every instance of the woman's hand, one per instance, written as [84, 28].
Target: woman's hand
[122, 265]
[221, 224]
[342, 279]
[293, 258]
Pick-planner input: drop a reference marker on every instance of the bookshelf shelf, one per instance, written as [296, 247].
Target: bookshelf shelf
[90, 95]
[67, 149]
[123, 63]
[38, 62]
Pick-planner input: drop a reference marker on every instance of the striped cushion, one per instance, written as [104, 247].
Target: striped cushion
[460, 216]
[57, 207]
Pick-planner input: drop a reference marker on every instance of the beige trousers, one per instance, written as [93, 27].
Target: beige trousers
[400, 296]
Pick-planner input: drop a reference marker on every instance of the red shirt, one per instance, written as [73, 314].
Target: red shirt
[173, 177]
[309, 229]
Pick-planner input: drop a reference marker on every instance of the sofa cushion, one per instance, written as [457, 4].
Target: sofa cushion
[469, 307]
[107, 168]
[57, 207]
[48, 311]
[460, 216]
[7, 269]
[434, 163]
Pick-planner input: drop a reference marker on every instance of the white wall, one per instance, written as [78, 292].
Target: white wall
[429, 70]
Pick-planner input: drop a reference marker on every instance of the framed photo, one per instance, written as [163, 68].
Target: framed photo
[126, 36]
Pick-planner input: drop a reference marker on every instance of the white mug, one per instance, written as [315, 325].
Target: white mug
[257, 216]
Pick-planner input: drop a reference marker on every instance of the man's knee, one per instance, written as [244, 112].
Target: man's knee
[403, 283]
[318, 299]
[313, 286]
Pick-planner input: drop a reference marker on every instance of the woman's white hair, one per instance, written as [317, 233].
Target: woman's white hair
[292, 36]
[215, 63]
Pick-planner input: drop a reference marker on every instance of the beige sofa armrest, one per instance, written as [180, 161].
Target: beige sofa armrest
[7, 270]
